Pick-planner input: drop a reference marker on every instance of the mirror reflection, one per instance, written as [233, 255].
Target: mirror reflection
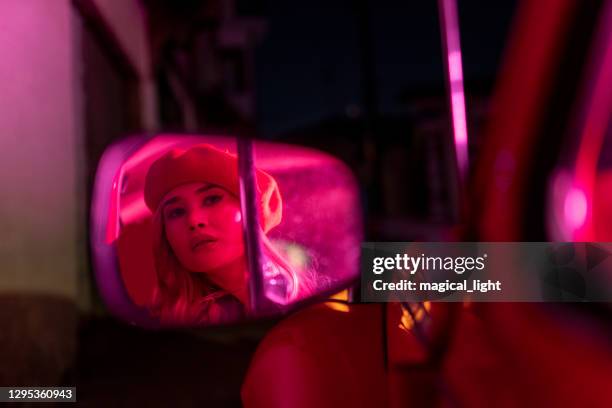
[199, 250]
[181, 242]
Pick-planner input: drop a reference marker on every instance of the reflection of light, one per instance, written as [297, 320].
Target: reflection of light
[342, 295]
[407, 321]
[575, 208]
[134, 209]
[339, 307]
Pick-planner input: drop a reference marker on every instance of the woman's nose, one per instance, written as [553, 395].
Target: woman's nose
[196, 220]
[193, 226]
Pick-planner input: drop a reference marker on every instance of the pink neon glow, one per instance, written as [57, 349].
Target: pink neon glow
[458, 103]
[112, 226]
[450, 29]
[133, 209]
[454, 66]
[575, 208]
[238, 217]
[598, 102]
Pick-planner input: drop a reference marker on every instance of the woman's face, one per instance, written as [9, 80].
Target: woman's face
[203, 226]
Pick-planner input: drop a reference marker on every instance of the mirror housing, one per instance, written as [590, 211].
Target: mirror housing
[319, 235]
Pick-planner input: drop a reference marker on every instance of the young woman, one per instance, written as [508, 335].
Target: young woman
[198, 244]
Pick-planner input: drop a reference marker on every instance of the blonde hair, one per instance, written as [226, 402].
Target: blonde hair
[179, 298]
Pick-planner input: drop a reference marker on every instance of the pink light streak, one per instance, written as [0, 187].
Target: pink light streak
[452, 48]
[597, 103]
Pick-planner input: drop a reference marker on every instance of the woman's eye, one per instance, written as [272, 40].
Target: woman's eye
[175, 213]
[212, 199]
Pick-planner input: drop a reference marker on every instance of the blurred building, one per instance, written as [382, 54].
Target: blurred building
[410, 190]
[203, 56]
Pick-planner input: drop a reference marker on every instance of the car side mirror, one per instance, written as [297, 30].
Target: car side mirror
[184, 260]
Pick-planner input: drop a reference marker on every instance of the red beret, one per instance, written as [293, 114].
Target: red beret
[205, 163]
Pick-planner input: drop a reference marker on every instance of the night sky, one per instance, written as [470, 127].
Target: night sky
[309, 64]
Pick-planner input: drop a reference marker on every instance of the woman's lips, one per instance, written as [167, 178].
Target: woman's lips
[202, 243]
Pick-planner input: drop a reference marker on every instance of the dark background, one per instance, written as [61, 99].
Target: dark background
[363, 80]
